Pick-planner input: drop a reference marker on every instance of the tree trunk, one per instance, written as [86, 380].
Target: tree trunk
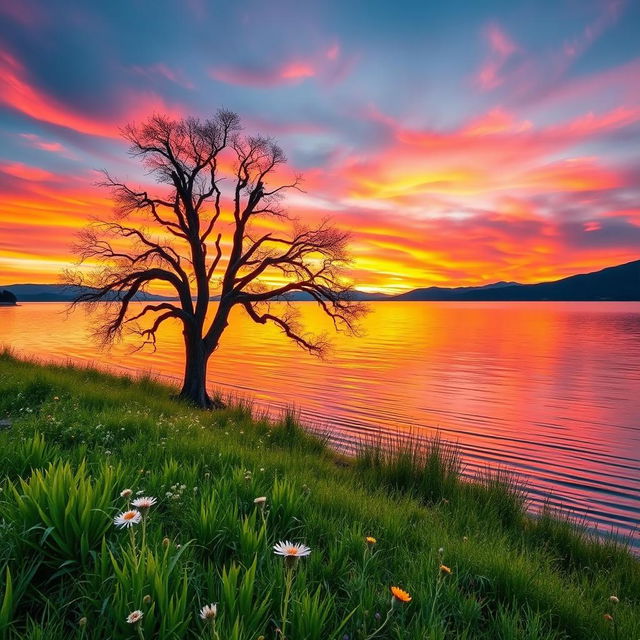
[194, 386]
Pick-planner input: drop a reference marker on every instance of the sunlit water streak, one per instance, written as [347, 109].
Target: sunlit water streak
[550, 390]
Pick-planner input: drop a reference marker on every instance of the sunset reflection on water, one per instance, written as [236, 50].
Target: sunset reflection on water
[551, 390]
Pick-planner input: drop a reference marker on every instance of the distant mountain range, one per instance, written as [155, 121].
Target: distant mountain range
[613, 283]
[60, 293]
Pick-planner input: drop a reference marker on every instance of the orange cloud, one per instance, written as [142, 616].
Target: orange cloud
[573, 174]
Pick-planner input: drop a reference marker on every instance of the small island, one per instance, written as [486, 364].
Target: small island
[7, 299]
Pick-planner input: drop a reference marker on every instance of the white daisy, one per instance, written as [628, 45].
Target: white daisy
[134, 617]
[144, 503]
[291, 550]
[209, 612]
[127, 519]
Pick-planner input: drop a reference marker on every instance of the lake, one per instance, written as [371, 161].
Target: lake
[549, 390]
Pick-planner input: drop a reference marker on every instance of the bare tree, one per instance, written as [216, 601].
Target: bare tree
[179, 243]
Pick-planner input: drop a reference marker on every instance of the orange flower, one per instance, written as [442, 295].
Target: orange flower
[370, 540]
[445, 570]
[400, 594]
[608, 617]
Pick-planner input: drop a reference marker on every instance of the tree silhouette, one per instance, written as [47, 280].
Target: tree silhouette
[176, 238]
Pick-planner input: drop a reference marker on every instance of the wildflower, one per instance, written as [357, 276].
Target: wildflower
[444, 570]
[608, 617]
[135, 616]
[144, 504]
[146, 599]
[614, 599]
[378, 615]
[400, 595]
[464, 538]
[209, 612]
[291, 552]
[82, 622]
[56, 400]
[127, 519]
[370, 540]
[441, 551]
[289, 549]
[166, 542]
[126, 493]
[261, 501]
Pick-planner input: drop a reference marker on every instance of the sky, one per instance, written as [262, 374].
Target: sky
[462, 142]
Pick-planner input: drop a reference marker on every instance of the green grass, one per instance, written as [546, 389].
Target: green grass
[79, 437]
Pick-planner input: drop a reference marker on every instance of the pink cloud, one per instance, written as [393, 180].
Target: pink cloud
[39, 143]
[297, 70]
[328, 66]
[26, 172]
[333, 52]
[502, 48]
[292, 72]
[496, 121]
[21, 95]
[532, 76]
[500, 42]
[575, 47]
[164, 71]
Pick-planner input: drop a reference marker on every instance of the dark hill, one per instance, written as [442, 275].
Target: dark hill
[447, 293]
[613, 283]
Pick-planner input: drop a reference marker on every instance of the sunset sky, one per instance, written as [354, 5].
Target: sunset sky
[463, 142]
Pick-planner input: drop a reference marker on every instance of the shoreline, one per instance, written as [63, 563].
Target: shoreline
[348, 445]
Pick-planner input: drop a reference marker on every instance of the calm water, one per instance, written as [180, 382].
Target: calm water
[551, 390]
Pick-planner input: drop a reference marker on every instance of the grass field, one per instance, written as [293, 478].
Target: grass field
[473, 563]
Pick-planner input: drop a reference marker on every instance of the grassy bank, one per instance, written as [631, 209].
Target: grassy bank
[475, 565]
